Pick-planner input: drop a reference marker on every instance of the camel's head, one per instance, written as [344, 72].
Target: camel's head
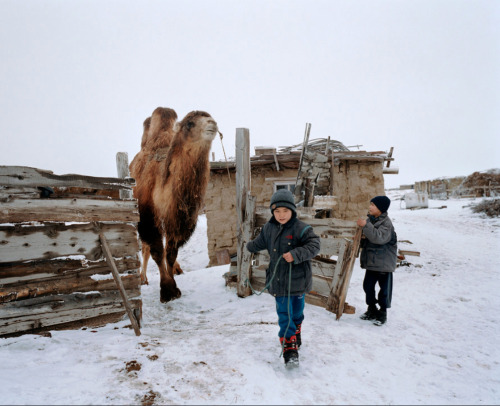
[198, 126]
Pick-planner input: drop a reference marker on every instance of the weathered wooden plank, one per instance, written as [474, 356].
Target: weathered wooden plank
[320, 266]
[328, 226]
[312, 298]
[37, 271]
[52, 240]
[119, 283]
[23, 210]
[8, 192]
[85, 280]
[336, 300]
[25, 315]
[123, 172]
[245, 209]
[320, 284]
[26, 176]
[411, 253]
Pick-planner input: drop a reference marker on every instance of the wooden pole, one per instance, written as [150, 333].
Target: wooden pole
[309, 192]
[354, 249]
[299, 181]
[390, 156]
[123, 172]
[243, 185]
[119, 283]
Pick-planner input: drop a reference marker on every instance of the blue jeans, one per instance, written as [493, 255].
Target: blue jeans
[289, 316]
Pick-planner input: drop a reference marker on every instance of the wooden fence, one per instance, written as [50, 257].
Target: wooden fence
[68, 251]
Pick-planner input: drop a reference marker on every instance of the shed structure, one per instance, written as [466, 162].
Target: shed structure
[342, 183]
[68, 251]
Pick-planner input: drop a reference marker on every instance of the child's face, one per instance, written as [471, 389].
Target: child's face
[282, 214]
[373, 210]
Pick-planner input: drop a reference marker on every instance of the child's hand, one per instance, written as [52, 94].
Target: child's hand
[361, 222]
[288, 257]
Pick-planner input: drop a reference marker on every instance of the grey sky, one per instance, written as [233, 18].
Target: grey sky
[78, 78]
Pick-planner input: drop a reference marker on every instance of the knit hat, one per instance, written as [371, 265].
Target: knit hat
[382, 203]
[282, 198]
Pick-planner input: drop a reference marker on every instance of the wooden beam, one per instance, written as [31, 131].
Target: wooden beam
[26, 176]
[53, 240]
[243, 187]
[68, 209]
[121, 289]
[123, 173]
[46, 311]
[347, 267]
[390, 156]
[299, 181]
[276, 161]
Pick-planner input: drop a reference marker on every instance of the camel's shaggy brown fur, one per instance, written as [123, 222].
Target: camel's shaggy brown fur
[171, 172]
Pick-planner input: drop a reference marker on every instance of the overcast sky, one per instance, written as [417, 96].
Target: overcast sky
[78, 78]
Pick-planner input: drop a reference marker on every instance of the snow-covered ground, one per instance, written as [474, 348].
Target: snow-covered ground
[439, 346]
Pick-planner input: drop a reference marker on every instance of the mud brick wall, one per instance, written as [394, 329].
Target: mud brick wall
[355, 183]
[220, 206]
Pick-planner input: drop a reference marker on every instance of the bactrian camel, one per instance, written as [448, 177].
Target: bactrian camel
[171, 172]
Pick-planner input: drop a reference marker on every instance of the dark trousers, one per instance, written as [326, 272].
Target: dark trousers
[384, 280]
[290, 314]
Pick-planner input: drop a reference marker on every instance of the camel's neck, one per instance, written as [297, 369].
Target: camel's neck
[190, 169]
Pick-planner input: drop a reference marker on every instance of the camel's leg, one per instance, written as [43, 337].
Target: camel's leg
[146, 253]
[150, 234]
[173, 266]
[168, 287]
[177, 267]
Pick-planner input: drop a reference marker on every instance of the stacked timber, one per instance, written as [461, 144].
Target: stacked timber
[55, 271]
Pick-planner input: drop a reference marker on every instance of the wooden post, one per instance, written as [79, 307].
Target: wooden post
[347, 271]
[390, 156]
[119, 283]
[309, 192]
[299, 181]
[245, 215]
[123, 172]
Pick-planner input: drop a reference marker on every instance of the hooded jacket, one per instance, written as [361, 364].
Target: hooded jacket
[379, 249]
[295, 237]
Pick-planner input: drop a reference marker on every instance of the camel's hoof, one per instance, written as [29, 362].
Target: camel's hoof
[144, 282]
[169, 293]
[179, 271]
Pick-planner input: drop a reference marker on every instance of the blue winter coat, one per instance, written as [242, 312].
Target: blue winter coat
[379, 249]
[295, 237]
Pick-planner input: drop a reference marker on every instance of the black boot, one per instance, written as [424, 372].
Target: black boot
[297, 334]
[370, 314]
[290, 353]
[381, 317]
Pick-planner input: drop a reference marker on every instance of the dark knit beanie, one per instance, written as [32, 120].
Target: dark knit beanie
[382, 203]
[282, 198]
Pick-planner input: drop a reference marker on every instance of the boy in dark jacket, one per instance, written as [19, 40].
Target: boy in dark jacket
[291, 244]
[378, 257]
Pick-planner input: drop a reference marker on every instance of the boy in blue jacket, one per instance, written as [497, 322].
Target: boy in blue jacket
[379, 258]
[291, 244]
